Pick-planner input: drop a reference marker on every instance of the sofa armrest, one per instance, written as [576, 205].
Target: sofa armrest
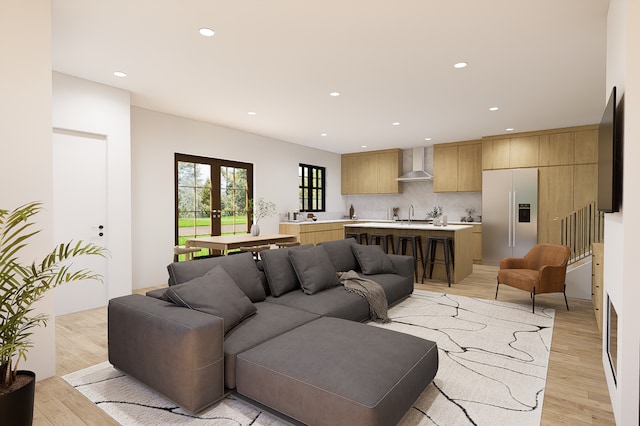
[177, 351]
[403, 265]
[514, 263]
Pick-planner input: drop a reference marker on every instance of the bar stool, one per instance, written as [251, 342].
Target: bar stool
[416, 244]
[187, 251]
[384, 239]
[430, 260]
[255, 250]
[359, 236]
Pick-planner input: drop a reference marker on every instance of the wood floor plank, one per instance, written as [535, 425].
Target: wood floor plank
[576, 391]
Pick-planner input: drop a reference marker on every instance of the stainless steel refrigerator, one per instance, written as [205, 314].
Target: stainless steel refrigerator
[509, 213]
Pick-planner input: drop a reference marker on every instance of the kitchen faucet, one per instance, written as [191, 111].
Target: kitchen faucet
[412, 212]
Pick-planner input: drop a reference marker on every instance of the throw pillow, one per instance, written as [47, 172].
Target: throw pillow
[241, 267]
[314, 269]
[281, 276]
[372, 259]
[340, 253]
[214, 293]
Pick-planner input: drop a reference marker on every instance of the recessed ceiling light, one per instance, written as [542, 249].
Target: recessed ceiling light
[509, 129]
[323, 134]
[427, 139]
[460, 65]
[334, 94]
[207, 32]
[120, 74]
[251, 113]
[395, 123]
[363, 146]
[494, 109]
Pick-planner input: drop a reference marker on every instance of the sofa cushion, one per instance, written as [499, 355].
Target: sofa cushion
[334, 302]
[340, 253]
[313, 269]
[396, 287]
[281, 276]
[331, 372]
[372, 259]
[214, 293]
[270, 320]
[241, 267]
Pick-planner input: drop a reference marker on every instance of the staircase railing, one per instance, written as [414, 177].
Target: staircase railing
[580, 229]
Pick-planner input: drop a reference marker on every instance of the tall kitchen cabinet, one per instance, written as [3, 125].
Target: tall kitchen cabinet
[373, 172]
[567, 170]
[457, 167]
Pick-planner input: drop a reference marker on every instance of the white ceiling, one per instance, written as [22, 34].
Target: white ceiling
[541, 61]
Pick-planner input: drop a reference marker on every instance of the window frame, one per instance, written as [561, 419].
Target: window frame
[306, 182]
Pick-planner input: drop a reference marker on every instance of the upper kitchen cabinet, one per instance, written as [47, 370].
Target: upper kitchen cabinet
[545, 148]
[504, 152]
[457, 167]
[373, 172]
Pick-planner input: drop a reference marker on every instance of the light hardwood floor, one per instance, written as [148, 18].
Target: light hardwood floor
[576, 391]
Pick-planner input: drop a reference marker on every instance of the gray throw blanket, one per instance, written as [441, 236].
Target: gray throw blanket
[370, 290]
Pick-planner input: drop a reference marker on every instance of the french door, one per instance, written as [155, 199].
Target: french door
[212, 196]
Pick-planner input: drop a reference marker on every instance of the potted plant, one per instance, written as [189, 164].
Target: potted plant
[260, 209]
[21, 285]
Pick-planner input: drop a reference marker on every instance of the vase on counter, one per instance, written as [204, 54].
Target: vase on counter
[255, 230]
[351, 212]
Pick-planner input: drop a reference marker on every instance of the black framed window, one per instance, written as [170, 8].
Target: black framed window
[311, 188]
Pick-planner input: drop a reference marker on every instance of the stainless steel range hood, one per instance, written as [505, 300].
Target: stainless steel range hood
[418, 173]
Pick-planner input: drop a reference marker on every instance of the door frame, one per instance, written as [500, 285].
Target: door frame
[216, 164]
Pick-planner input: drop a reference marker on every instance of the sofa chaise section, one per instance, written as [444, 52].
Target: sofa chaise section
[331, 371]
[176, 351]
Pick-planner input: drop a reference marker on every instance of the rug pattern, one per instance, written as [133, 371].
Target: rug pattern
[493, 367]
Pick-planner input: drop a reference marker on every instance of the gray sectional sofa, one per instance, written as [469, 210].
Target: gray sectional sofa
[281, 332]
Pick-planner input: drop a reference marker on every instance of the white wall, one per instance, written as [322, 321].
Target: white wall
[157, 136]
[622, 230]
[88, 107]
[25, 137]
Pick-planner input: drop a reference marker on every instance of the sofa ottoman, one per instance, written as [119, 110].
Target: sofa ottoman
[333, 371]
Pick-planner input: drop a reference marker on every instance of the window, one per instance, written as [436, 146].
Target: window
[311, 188]
[211, 197]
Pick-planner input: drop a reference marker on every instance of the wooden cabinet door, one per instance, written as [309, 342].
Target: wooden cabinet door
[445, 169]
[367, 166]
[585, 185]
[348, 175]
[389, 167]
[556, 149]
[495, 154]
[469, 168]
[555, 185]
[586, 147]
[524, 152]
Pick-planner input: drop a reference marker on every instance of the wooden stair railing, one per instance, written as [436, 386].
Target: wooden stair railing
[580, 229]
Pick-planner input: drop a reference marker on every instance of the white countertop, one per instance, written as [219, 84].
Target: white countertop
[380, 223]
[408, 225]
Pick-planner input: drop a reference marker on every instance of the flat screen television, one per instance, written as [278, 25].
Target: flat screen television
[609, 159]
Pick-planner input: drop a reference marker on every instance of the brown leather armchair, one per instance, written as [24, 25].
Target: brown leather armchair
[542, 270]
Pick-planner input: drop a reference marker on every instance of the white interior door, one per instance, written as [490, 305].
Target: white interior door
[79, 212]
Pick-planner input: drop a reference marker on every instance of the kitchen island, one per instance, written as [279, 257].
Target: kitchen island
[462, 242]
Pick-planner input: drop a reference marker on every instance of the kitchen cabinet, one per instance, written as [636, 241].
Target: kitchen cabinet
[372, 172]
[597, 287]
[556, 149]
[555, 201]
[510, 153]
[457, 167]
[315, 232]
[586, 146]
[476, 241]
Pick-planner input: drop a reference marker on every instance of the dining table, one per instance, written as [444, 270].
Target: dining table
[224, 243]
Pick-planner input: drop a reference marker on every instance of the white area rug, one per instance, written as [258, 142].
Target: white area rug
[493, 367]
